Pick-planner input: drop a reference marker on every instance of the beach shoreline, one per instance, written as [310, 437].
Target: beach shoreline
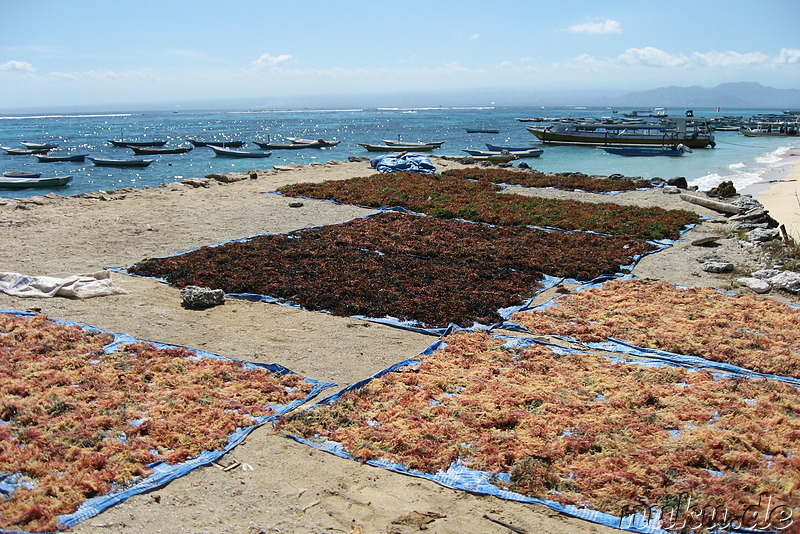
[779, 193]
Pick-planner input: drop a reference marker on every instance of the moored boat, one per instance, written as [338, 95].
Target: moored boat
[47, 146]
[691, 132]
[495, 158]
[224, 144]
[233, 153]
[499, 148]
[647, 151]
[125, 144]
[13, 151]
[407, 143]
[771, 129]
[152, 150]
[17, 182]
[530, 153]
[44, 158]
[21, 174]
[285, 146]
[397, 148]
[321, 143]
[482, 130]
[104, 162]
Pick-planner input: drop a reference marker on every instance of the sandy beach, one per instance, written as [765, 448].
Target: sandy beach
[291, 488]
[780, 195]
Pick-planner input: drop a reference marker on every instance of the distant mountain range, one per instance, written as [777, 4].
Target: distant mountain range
[729, 95]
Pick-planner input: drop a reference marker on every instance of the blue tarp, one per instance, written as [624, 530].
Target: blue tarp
[623, 347]
[481, 482]
[403, 162]
[163, 473]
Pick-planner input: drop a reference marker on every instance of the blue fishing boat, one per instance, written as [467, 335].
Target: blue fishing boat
[103, 162]
[647, 151]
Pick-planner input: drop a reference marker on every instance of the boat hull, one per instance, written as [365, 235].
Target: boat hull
[100, 162]
[230, 153]
[7, 182]
[642, 151]
[126, 144]
[50, 159]
[398, 148]
[600, 138]
[153, 151]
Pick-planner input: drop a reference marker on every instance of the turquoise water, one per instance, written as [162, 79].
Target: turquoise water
[740, 159]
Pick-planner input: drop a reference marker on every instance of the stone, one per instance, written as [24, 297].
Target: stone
[678, 181]
[723, 190]
[198, 298]
[760, 235]
[786, 280]
[756, 285]
[718, 267]
[712, 241]
[198, 182]
[671, 190]
[765, 274]
[295, 204]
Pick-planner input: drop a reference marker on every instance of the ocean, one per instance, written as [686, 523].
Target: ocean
[743, 160]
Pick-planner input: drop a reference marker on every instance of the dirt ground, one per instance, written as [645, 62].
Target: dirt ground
[289, 487]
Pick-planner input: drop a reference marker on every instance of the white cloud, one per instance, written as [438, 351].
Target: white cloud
[475, 36]
[105, 75]
[650, 57]
[655, 58]
[270, 61]
[22, 67]
[729, 59]
[788, 56]
[608, 26]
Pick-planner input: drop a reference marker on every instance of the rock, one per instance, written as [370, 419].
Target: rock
[723, 190]
[718, 267]
[230, 178]
[199, 298]
[198, 182]
[678, 181]
[786, 280]
[295, 204]
[765, 274]
[760, 235]
[712, 241]
[756, 285]
[671, 190]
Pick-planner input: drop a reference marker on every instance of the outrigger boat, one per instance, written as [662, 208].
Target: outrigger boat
[319, 143]
[398, 148]
[48, 159]
[17, 182]
[126, 144]
[24, 151]
[692, 132]
[151, 150]
[102, 162]
[47, 146]
[232, 153]
[646, 150]
[530, 153]
[407, 143]
[224, 144]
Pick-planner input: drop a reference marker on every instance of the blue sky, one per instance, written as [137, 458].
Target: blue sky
[90, 52]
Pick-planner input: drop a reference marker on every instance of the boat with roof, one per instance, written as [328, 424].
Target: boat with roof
[689, 131]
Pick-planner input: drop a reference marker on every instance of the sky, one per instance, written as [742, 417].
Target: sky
[62, 53]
